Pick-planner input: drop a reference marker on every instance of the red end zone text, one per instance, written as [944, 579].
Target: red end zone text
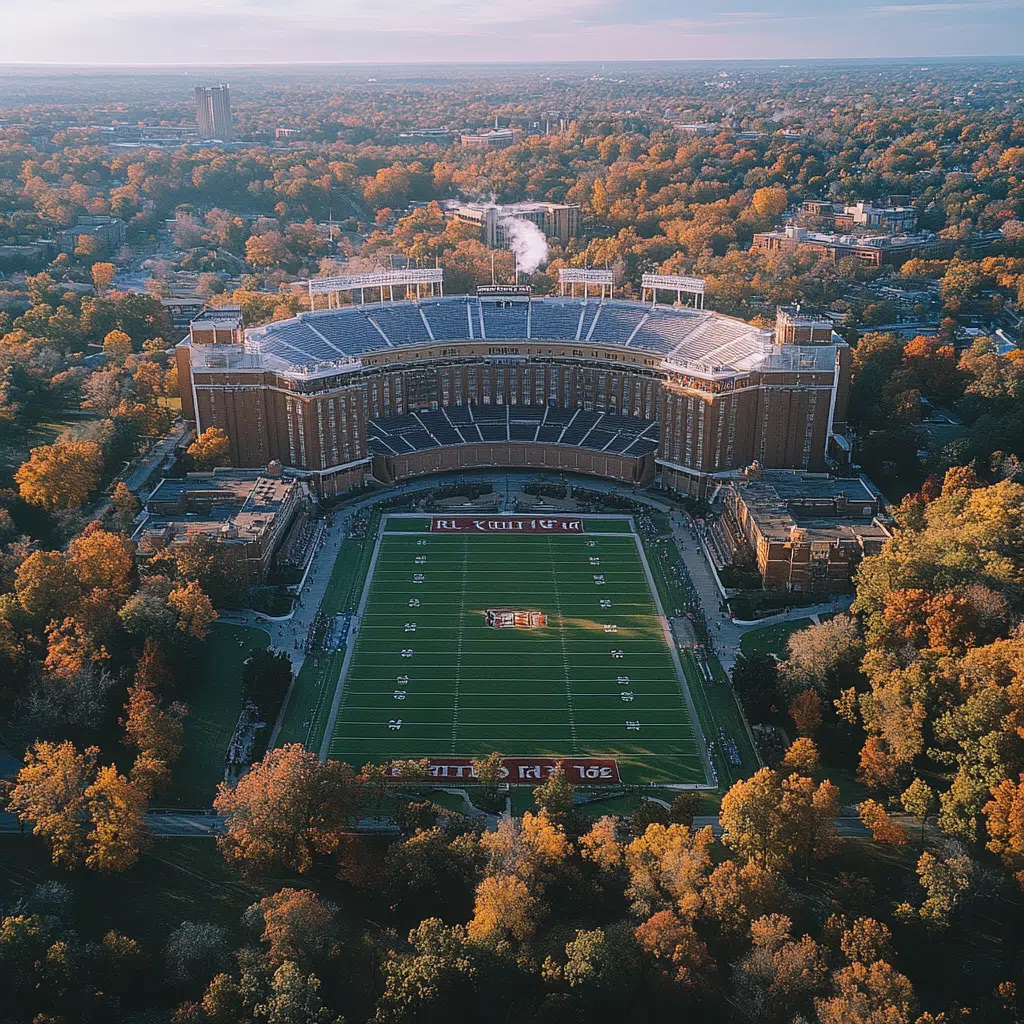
[506, 524]
[580, 771]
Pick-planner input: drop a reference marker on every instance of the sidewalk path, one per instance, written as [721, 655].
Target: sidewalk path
[288, 633]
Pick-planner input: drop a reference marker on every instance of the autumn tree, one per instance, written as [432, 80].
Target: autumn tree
[294, 998]
[668, 867]
[883, 829]
[751, 817]
[126, 505]
[286, 810]
[50, 792]
[102, 560]
[211, 448]
[601, 846]
[769, 202]
[117, 347]
[802, 756]
[154, 732]
[680, 953]
[532, 848]
[805, 710]
[554, 795]
[867, 994]
[119, 831]
[60, 475]
[45, 585]
[780, 974]
[824, 657]
[102, 276]
[295, 925]
[504, 909]
[489, 772]
[194, 609]
[918, 799]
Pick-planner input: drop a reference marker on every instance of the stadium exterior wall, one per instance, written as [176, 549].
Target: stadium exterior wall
[316, 423]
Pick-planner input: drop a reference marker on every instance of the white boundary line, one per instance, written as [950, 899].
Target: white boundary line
[698, 732]
[666, 629]
[350, 647]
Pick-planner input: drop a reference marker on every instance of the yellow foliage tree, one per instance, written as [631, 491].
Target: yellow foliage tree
[211, 448]
[50, 793]
[883, 828]
[802, 755]
[45, 584]
[117, 347]
[601, 845]
[104, 560]
[60, 475]
[504, 909]
[669, 865]
[195, 612]
[119, 831]
[103, 276]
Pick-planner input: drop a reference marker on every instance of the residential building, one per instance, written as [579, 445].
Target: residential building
[109, 232]
[213, 112]
[557, 220]
[495, 138]
[807, 531]
[248, 511]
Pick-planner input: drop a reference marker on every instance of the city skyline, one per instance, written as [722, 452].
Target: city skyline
[313, 31]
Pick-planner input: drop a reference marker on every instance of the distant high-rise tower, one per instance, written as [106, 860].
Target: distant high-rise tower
[213, 112]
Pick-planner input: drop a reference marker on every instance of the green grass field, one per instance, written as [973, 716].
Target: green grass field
[465, 688]
[214, 698]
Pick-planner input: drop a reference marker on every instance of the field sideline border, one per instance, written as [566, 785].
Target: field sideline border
[681, 677]
[350, 645]
[670, 639]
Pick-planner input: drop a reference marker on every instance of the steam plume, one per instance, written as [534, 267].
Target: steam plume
[527, 241]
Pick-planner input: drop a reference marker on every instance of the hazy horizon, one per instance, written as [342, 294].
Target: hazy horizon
[255, 32]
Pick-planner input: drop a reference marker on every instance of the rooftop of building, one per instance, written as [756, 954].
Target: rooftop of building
[233, 504]
[827, 508]
[799, 234]
[688, 340]
[251, 488]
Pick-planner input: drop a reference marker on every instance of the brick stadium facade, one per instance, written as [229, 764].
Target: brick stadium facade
[614, 389]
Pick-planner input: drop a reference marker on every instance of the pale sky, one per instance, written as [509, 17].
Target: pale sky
[290, 31]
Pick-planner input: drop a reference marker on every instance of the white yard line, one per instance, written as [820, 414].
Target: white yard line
[565, 653]
[458, 648]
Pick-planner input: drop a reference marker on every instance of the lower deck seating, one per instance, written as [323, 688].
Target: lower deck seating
[460, 424]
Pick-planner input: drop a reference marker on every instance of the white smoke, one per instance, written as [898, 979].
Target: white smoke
[527, 241]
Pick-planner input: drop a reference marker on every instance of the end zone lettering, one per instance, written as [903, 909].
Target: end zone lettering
[506, 524]
[580, 771]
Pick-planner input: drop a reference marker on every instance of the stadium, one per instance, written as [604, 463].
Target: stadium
[547, 639]
[627, 390]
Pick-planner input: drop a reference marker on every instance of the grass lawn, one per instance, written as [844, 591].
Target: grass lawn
[214, 699]
[179, 879]
[720, 715]
[772, 639]
[430, 678]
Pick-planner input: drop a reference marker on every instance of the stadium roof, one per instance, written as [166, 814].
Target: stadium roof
[694, 340]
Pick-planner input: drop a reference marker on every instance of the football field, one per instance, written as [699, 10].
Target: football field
[531, 644]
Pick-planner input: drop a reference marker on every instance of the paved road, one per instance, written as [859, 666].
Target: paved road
[192, 825]
[137, 476]
[288, 632]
